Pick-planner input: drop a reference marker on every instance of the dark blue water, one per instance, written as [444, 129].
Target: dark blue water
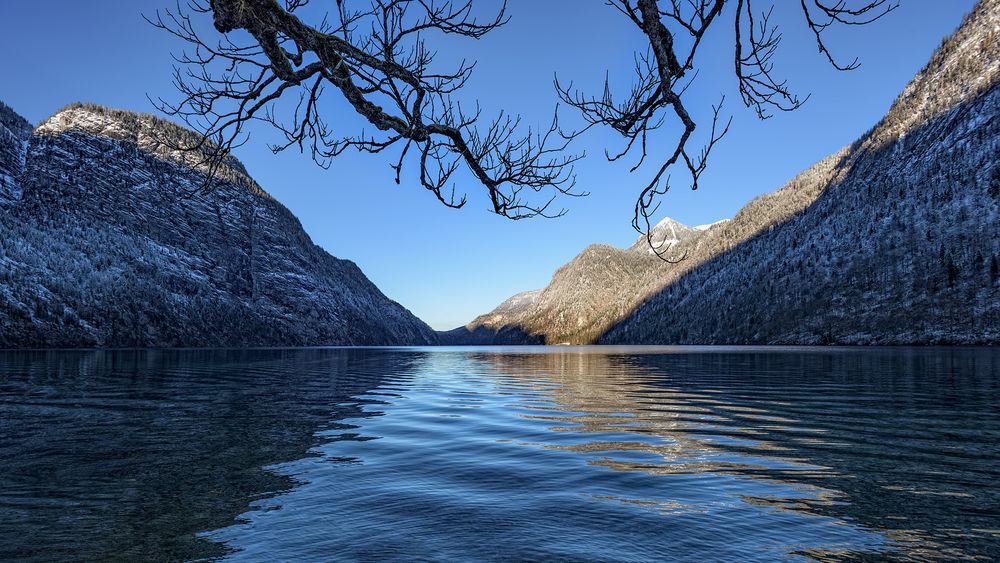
[501, 454]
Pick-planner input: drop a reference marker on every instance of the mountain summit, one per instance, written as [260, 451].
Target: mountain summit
[666, 234]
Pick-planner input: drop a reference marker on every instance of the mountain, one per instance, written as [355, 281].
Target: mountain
[106, 241]
[585, 297]
[665, 235]
[894, 239]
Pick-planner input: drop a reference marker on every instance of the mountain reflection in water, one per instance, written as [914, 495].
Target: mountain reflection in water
[501, 453]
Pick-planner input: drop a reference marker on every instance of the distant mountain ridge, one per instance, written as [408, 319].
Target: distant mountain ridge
[105, 242]
[586, 295]
[892, 240]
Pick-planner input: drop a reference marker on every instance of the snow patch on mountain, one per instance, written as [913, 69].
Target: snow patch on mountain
[708, 226]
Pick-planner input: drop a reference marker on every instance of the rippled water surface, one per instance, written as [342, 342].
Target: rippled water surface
[705, 454]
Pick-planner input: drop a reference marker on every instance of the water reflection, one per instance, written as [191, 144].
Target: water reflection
[896, 442]
[484, 454]
[126, 455]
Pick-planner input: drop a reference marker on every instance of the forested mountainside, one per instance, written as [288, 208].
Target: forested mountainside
[105, 242]
[894, 239]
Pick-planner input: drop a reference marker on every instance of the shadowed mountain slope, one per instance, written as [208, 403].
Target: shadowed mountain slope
[105, 242]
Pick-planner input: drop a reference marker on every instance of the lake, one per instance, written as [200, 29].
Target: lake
[559, 453]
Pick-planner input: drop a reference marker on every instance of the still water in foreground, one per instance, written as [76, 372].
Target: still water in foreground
[490, 453]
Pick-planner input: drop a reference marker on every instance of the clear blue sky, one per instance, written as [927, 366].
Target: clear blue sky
[449, 265]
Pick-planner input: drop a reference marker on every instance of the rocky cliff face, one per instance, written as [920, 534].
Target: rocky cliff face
[14, 134]
[892, 240]
[106, 242]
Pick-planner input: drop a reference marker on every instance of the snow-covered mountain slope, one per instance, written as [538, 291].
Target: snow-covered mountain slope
[894, 239]
[108, 245]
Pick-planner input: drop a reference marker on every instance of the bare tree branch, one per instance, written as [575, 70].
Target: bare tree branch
[674, 30]
[376, 58]
[267, 64]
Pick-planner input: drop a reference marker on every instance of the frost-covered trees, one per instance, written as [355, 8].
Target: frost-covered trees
[108, 246]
